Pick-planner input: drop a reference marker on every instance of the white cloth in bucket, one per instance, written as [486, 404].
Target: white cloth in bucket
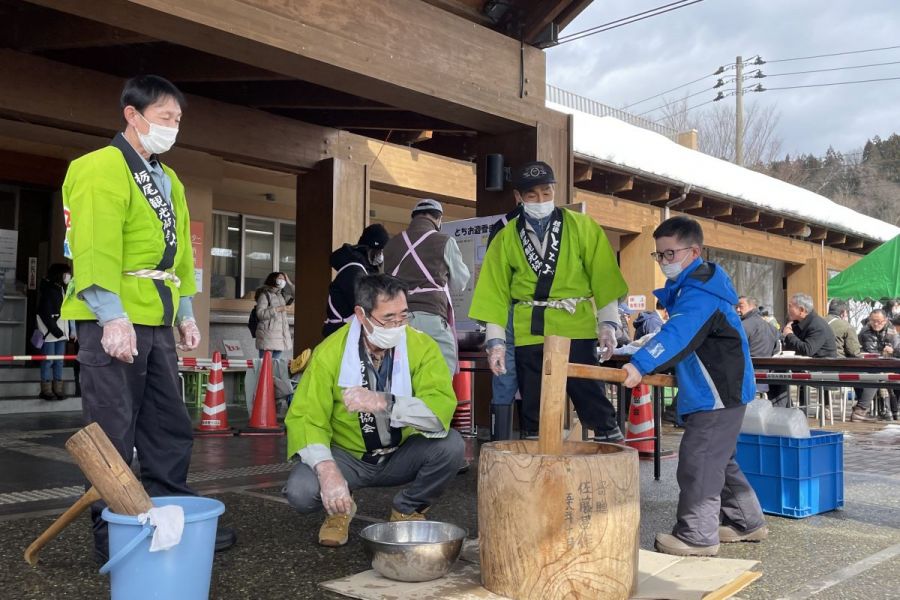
[168, 523]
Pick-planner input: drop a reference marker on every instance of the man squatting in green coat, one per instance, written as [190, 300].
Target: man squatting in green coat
[559, 273]
[128, 236]
[373, 409]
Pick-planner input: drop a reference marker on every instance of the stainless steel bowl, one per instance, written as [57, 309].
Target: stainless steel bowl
[413, 550]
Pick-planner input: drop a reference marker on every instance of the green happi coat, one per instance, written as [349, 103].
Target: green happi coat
[586, 268]
[318, 416]
[111, 229]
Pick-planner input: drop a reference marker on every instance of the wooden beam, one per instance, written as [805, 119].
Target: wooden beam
[854, 243]
[86, 101]
[709, 208]
[16, 167]
[646, 191]
[818, 234]
[835, 238]
[741, 215]
[405, 53]
[691, 202]
[794, 228]
[571, 11]
[384, 120]
[541, 16]
[411, 138]
[768, 222]
[583, 172]
[613, 183]
[36, 29]
[282, 94]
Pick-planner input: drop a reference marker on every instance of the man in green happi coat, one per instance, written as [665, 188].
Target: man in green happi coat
[373, 409]
[558, 271]
[128, 236]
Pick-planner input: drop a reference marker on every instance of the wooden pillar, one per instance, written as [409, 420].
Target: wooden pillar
[809, 278]
[550, 141]
[641, 272]
[332, 209]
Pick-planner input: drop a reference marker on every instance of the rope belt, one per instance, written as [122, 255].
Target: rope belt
[154, 274]
[566, 304]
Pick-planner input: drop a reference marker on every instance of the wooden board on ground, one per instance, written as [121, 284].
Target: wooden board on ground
[660, 577]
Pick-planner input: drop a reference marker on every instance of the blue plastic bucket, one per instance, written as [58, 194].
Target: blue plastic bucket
[182, 572]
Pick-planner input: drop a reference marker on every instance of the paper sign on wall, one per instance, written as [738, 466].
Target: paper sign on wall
[233, 348]
[637, 302]
[32, 273]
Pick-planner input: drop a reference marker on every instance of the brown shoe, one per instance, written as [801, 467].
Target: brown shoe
[336, 528]
[47, 391]
[59, 390]
[729, 535]
[396, 515]
[860, 415]
[669, 544]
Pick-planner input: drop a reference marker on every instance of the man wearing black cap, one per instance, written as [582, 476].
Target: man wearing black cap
[430, 263]
[351, 263]
[558, 271]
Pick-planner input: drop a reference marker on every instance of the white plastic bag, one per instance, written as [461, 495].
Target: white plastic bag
[787, 422]
[756, 417]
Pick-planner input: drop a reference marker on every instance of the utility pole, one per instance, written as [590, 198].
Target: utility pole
[739, 112]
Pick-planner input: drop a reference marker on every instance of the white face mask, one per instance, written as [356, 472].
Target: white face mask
[384, 337]
[539, 210]
[159, 139]
[671, 270]
[280, 283]
[378, 259]
[66, 278]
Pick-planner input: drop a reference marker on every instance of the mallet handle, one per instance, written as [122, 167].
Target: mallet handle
[89, 497]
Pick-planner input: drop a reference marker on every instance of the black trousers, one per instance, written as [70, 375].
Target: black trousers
[589, 397]
[138, 405]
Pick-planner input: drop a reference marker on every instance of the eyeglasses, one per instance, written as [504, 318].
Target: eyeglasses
[402, 320]
[667, 254]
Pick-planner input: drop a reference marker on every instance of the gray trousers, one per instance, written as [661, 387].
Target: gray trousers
[439, 330]
[713, 490]
[429, 463]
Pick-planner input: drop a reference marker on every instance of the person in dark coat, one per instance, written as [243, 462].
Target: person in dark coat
[807, 333]
[763, 338]
[351, 262]
[877, 337]
[649, 321]
[55, 330]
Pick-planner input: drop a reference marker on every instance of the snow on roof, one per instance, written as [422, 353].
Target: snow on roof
[617, 143]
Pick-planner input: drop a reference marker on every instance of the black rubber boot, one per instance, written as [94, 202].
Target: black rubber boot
[501, 422]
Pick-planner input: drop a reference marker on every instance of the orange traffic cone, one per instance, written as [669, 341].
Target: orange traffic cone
[263, 421]
[214, 419]
[640, 420]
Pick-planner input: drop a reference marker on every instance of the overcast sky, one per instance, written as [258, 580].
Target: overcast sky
[633, 62]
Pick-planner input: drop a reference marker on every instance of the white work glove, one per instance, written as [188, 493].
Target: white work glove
[634, 376]
[333, 488]
[496, 356]
[119, 339]
[190, 335]
[607, 341]
[360, 399]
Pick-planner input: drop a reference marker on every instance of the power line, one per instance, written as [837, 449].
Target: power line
[667, 91]
[687, 110]
[834, 54]
[667, 104]
[896, 62]
[654, 12]
[795, 87]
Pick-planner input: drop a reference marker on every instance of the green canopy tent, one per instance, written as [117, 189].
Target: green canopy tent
[876, 275]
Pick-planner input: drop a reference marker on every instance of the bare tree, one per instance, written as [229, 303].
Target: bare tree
[715, 129]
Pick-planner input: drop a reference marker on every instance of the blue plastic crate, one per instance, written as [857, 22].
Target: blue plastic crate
[794, 477]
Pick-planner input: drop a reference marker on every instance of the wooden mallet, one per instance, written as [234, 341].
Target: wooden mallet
[111, 478]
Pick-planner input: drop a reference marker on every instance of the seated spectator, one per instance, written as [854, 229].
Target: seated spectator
[650, 321]
[876, 338]
[762, 337]
[373, 410]
[845, 337]
[806, 334]
[623, 332]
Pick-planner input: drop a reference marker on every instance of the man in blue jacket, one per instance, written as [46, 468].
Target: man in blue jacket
[705, 342]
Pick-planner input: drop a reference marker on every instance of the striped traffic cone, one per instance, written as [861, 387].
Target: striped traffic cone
[262, 420]
[640, 420]
[214, 419]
